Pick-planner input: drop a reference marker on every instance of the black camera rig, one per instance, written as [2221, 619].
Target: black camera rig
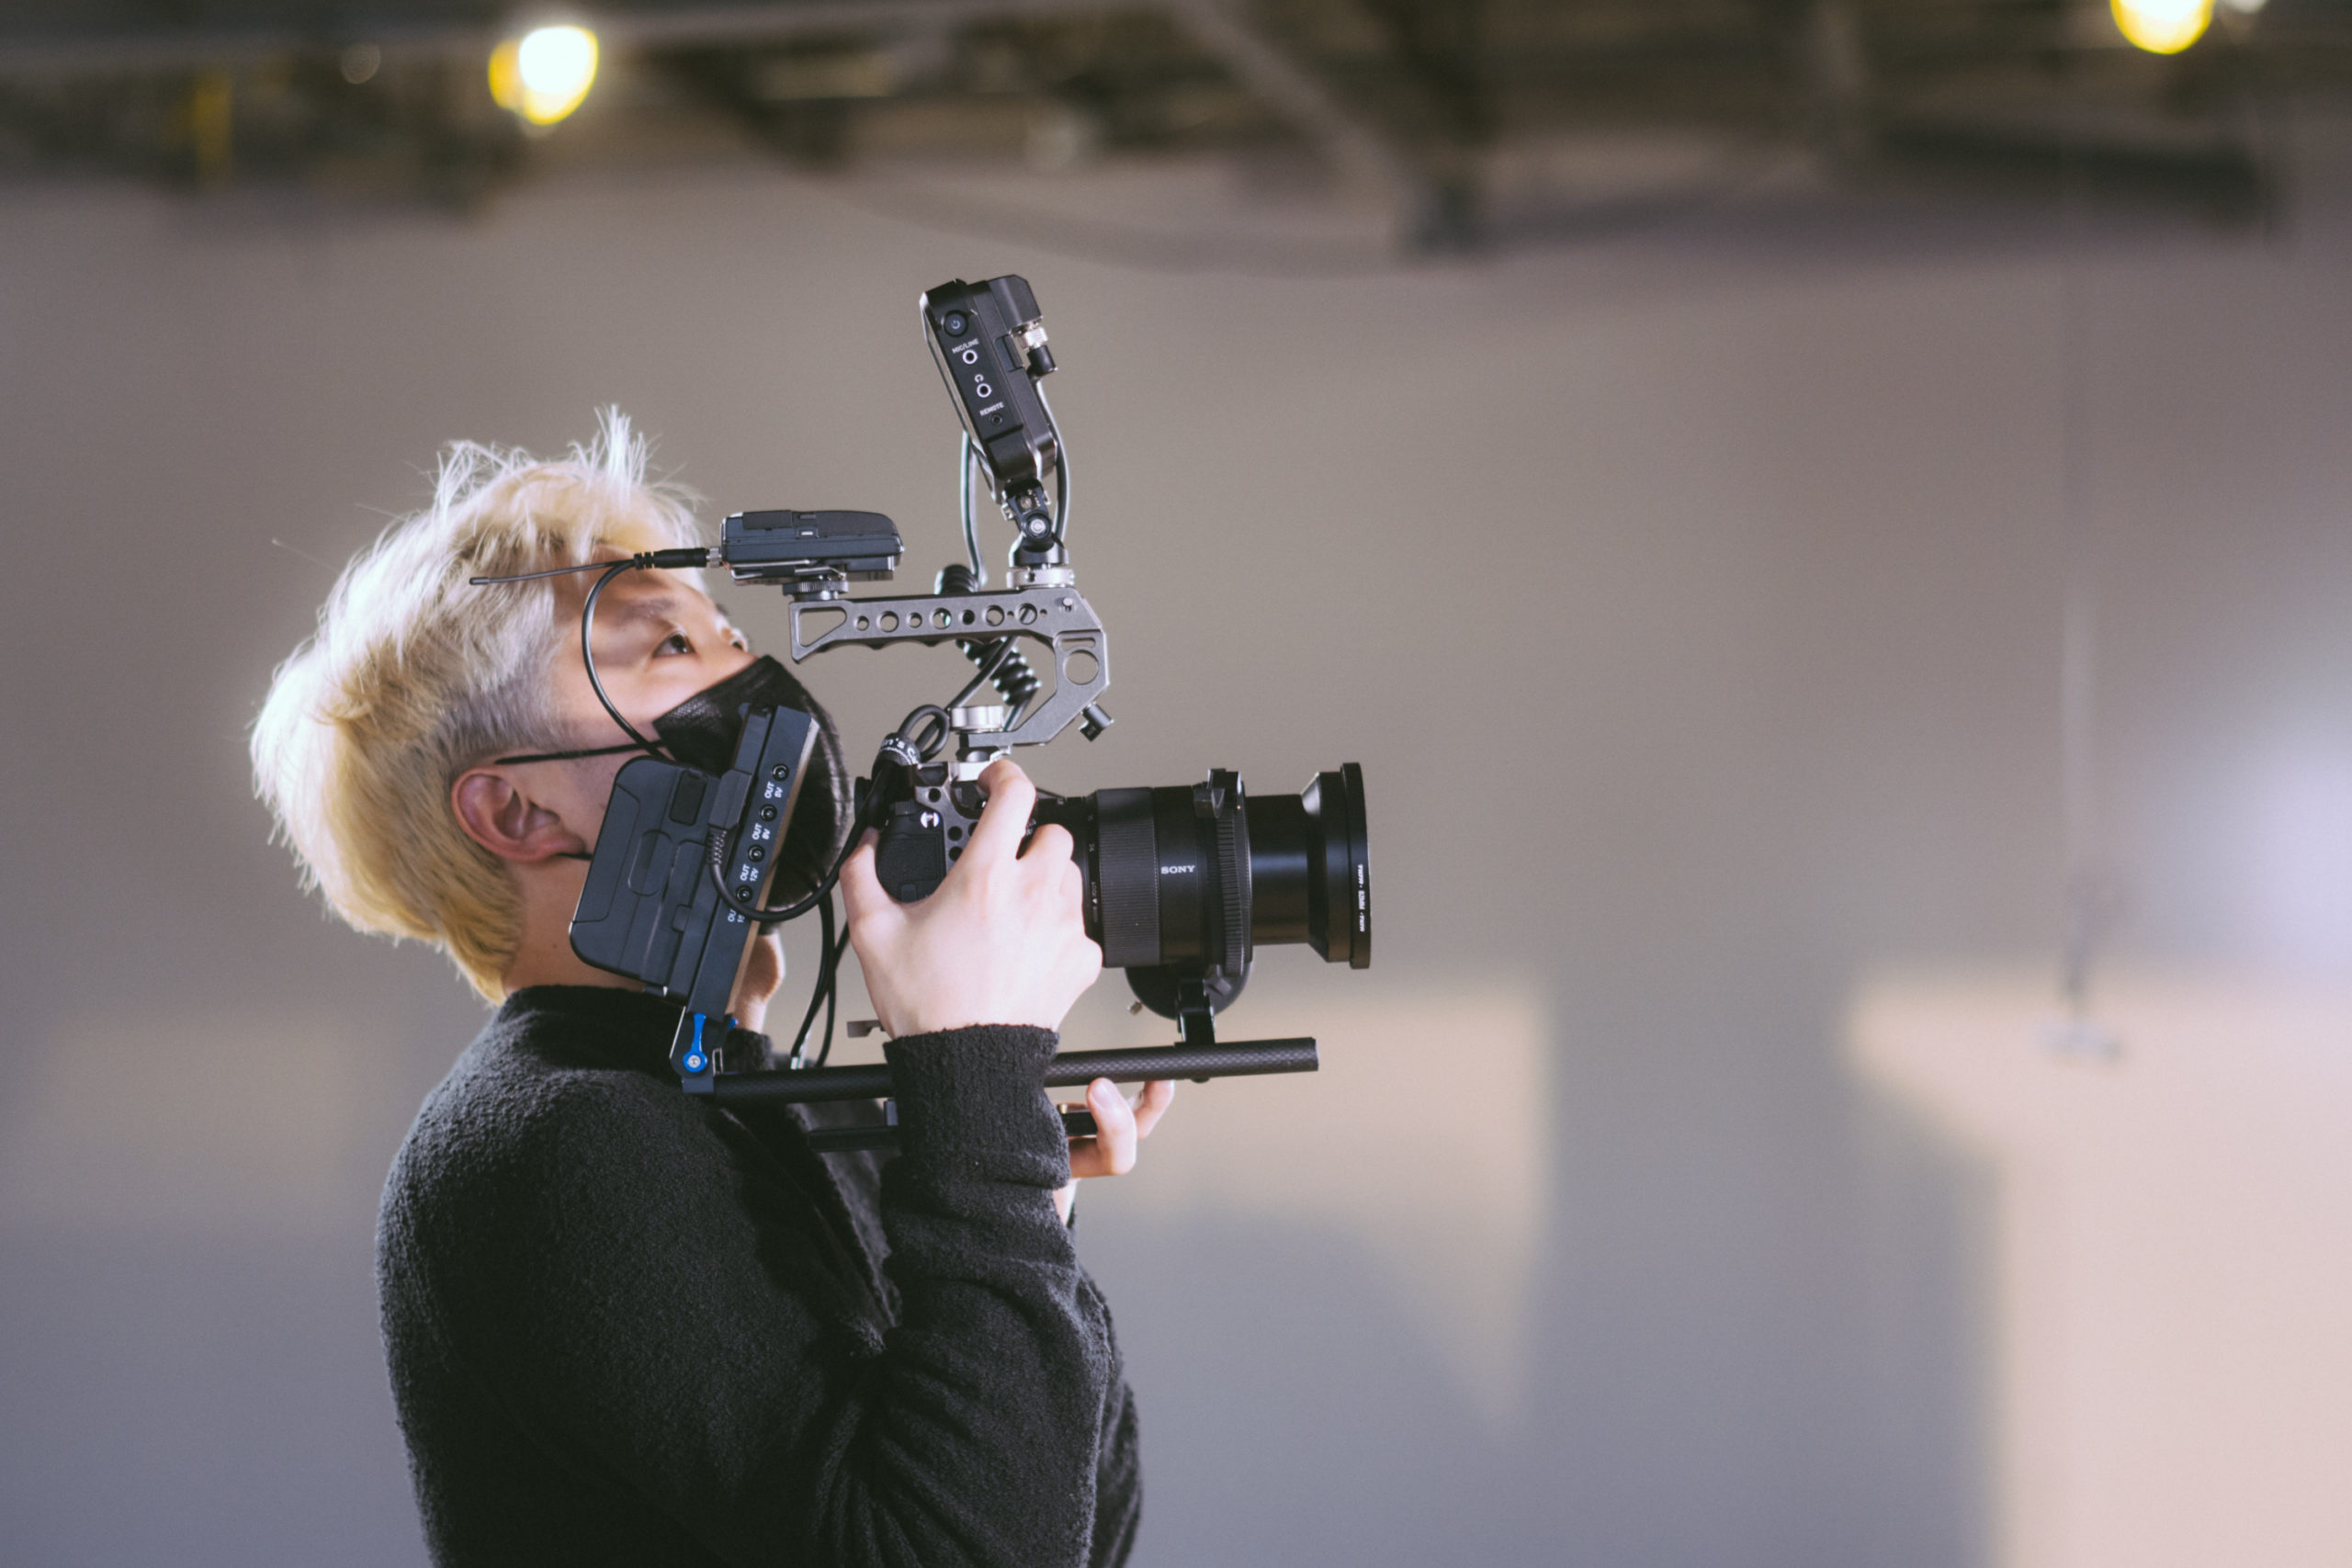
[1182, 884]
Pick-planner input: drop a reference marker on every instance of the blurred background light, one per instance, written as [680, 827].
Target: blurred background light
[2165, 26]
[2170, 1238]
[2298, 857]
[544, 75]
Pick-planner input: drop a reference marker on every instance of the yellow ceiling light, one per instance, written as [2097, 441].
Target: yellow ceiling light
[2162, 27]
[544, 75]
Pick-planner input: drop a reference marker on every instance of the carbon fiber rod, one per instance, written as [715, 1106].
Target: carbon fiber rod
[1234, 1059]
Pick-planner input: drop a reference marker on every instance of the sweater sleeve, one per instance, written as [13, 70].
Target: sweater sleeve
[1118, 1486]
[657, 1319]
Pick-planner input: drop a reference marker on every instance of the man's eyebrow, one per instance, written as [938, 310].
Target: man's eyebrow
[639, 607]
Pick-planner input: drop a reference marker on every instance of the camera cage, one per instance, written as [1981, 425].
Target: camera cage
[676, 883]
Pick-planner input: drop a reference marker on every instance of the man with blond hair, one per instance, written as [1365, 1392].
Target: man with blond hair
[624, 1325]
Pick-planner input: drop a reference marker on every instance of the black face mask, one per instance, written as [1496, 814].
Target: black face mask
[702, 732]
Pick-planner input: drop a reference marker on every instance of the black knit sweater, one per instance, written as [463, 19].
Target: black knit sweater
[625, 1327]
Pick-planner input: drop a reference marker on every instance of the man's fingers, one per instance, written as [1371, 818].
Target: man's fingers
[1112, 1150]
[1158, 1095]
[1052, 843]
[862, 895]
[1114, 1127]
[1005, 819]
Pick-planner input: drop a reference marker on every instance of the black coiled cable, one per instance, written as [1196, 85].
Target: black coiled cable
[1001, 663]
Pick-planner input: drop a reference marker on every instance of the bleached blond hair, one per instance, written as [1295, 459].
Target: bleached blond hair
[413, 676]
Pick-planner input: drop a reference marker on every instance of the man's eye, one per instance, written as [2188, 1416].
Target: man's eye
[675, 643]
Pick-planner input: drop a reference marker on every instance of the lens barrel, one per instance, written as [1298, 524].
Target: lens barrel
[1311, 868]
[1195, 878]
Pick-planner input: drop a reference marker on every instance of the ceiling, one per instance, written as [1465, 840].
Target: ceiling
[1458, 121]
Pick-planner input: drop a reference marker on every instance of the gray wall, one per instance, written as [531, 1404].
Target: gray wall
[1690, 600]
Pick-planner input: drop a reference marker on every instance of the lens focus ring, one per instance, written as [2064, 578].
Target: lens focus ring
[1232, 876]
[1127, 870]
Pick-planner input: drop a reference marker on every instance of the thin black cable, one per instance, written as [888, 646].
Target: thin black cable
[991, 663]
[533, 576]
[936, 729]
[588, 654]
[967, 459]
[1061, 465]
[676, 556]
[832, 994]
[568, 756]
[831, 951]
[967, 456]
[825, 977]
[899, 751]
[750, 911]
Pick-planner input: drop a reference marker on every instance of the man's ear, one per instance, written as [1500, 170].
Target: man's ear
[496, 814]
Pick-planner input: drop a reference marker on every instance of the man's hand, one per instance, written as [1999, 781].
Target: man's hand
[1002, 940]
[1117, 1128]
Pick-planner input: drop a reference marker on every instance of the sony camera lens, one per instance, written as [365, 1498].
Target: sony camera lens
[1194, 878]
